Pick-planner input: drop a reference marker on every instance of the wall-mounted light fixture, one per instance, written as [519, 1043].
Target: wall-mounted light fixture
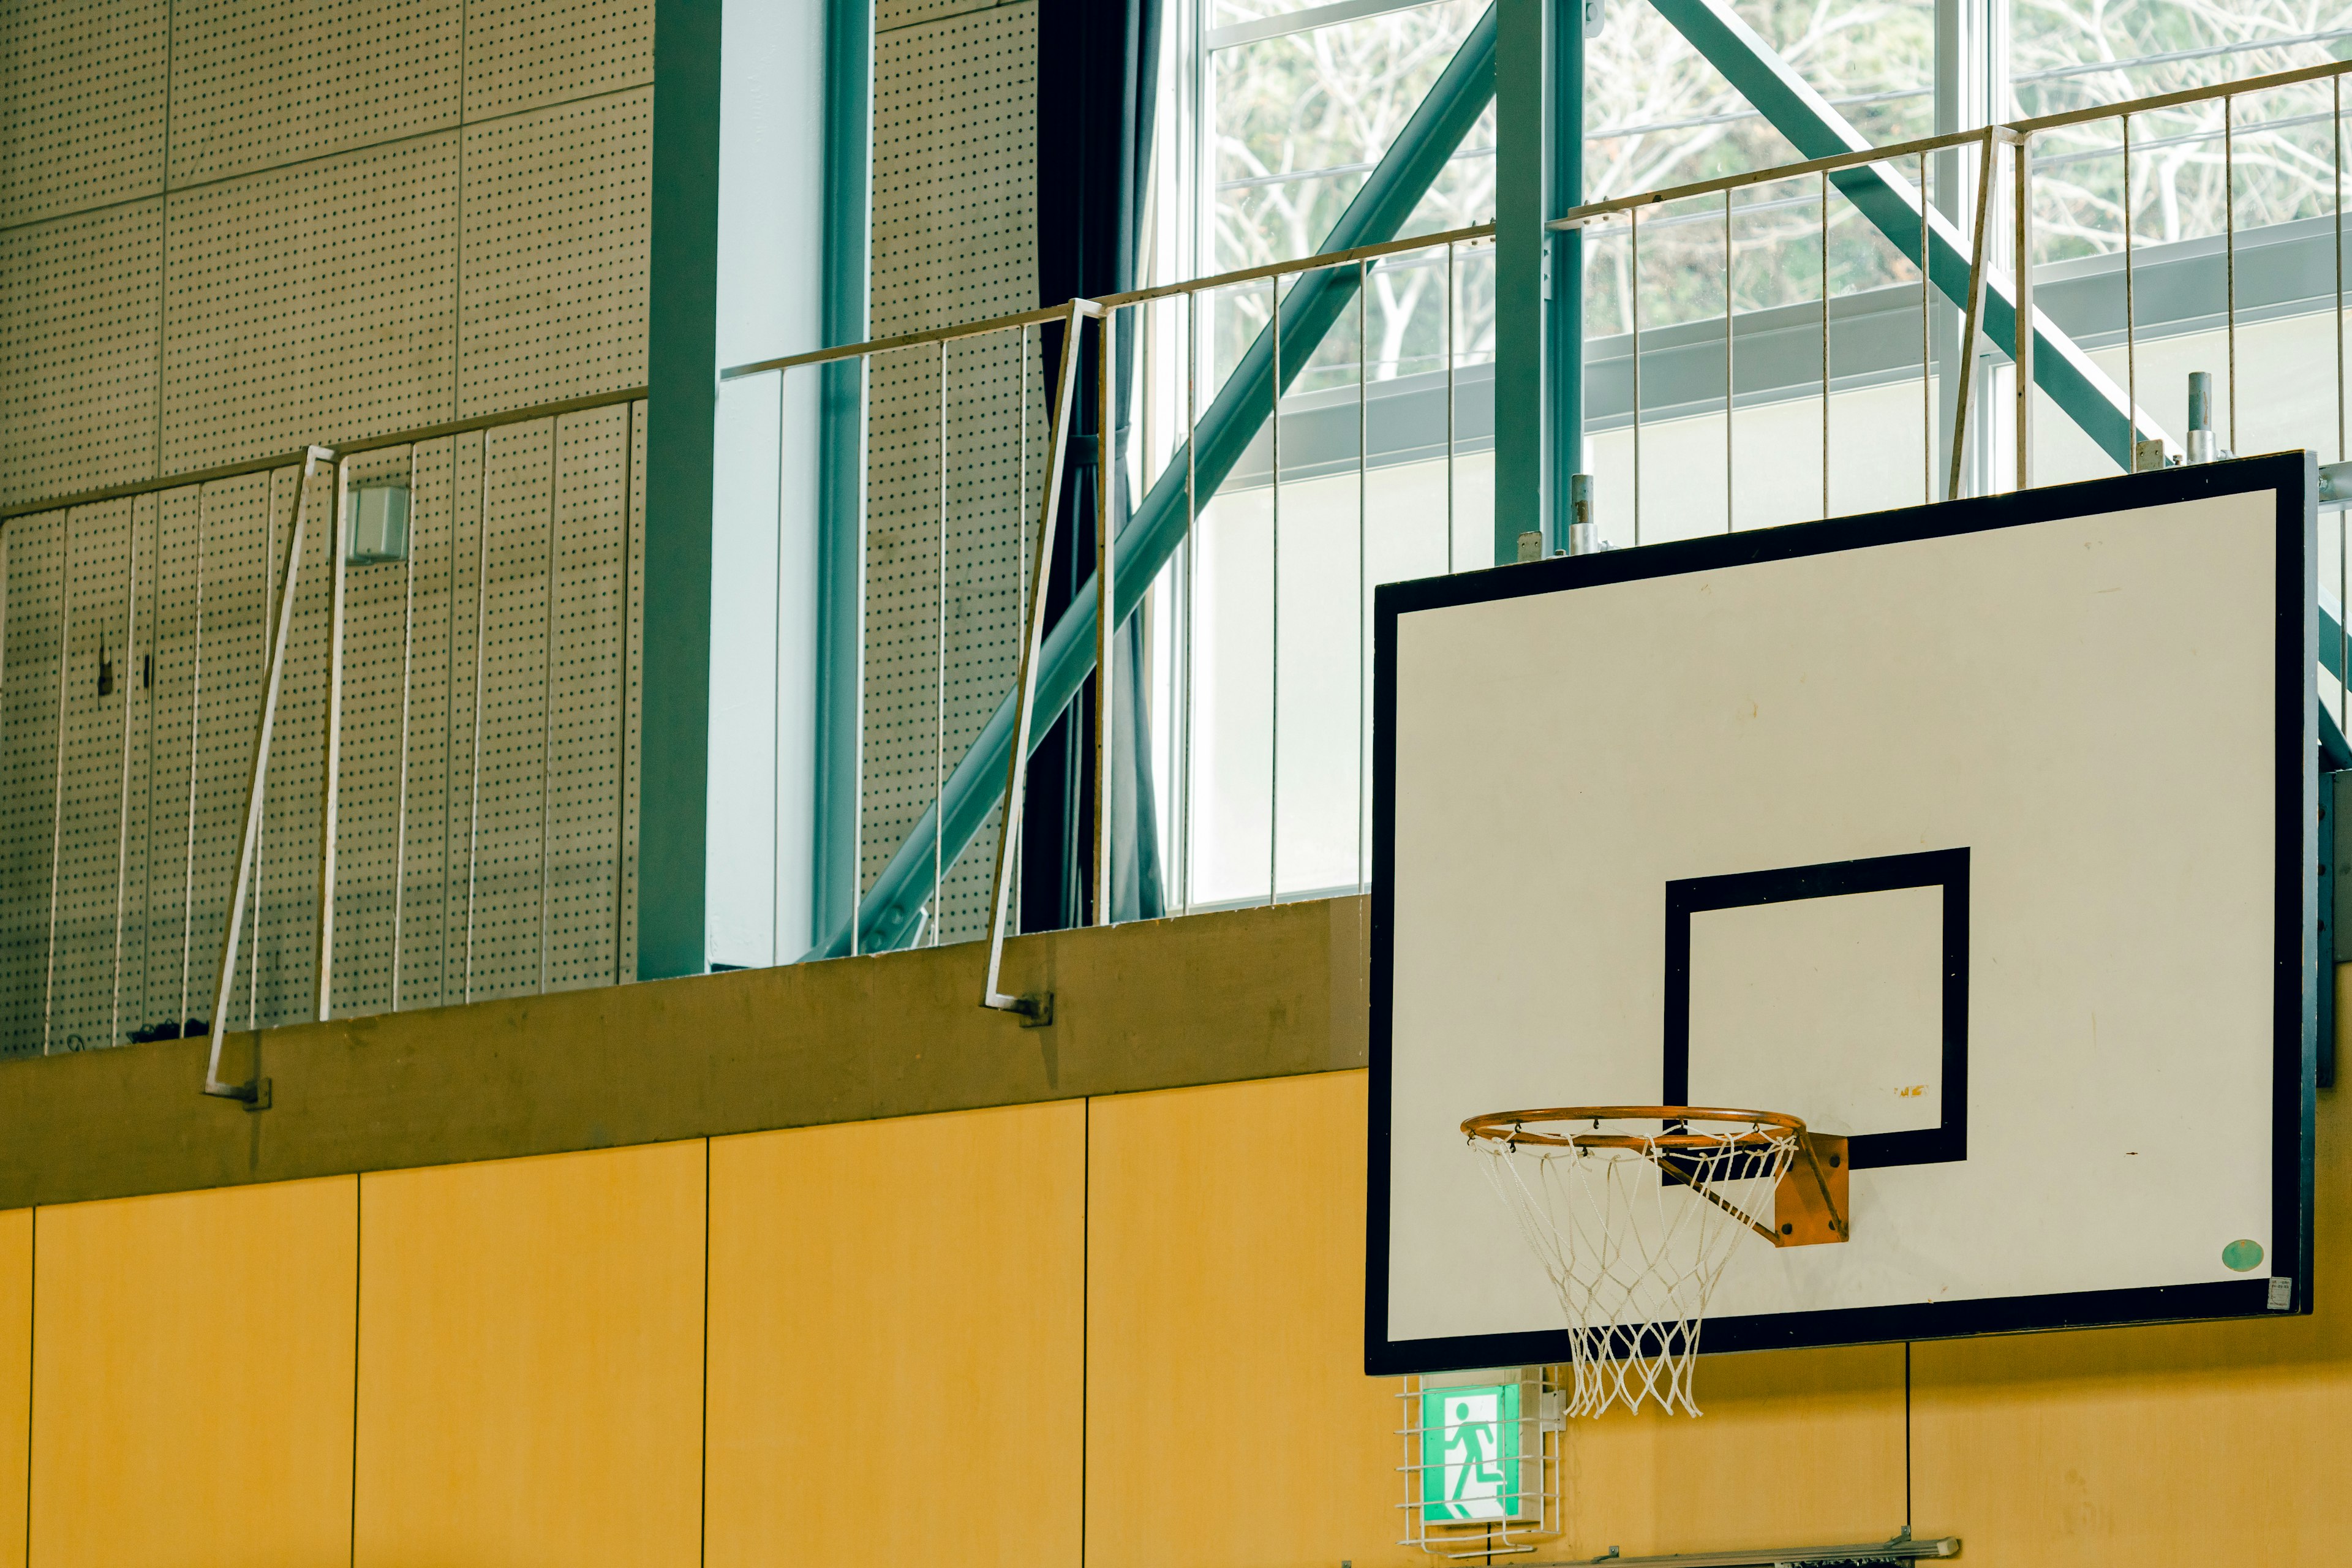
[379, 526]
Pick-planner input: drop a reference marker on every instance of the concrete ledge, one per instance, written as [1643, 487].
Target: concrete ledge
[1261, 992]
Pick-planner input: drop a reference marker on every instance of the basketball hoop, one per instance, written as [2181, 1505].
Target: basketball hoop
[1634, 1210]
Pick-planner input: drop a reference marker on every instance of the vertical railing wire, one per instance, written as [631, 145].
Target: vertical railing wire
[1106, 613]
[776, 665]
[1191, 587]
[940, 736]
[2023, 188]
[1926, 356]
[2230, 255]
[57, 794]
[1273, 594]
[1450, 356]
[2131, 310]
[481, 632]
[195, 722]
[1634, 310]
[857, 689]
[1363, 547]
[1004, 826]
[130, 687]
[407, 682]
[1825, 342]
[1730, 376]
[331, 765]
[2336, 151]
[547, 708]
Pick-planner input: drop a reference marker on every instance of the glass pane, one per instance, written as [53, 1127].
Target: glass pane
[1296, 122]
[1660, 115]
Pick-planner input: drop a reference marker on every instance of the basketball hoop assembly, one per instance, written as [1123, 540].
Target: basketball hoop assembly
[1635, 1211]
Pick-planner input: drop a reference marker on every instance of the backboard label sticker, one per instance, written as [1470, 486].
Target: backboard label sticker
[2244, 1255]
[1469, 1454]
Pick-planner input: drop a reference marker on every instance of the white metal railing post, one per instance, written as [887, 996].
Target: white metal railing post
[254, 1093]
[331, 775]
[1036, 1008]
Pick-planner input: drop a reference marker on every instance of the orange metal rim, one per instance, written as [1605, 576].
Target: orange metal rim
[1514, 1128]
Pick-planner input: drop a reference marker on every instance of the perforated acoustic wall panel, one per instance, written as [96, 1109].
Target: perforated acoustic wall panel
[259, 83]
[555, 253]
[313, 303]
[29, 693]
[81, 104]
[79, 331]
[954, 155]
[229, 229]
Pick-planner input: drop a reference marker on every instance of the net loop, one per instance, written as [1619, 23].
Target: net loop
[1633, 1219]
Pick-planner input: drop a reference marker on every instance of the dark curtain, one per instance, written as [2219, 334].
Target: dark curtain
[1096, 64]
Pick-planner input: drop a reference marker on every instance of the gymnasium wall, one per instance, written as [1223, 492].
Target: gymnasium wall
[1117, 1331]
[229, 229]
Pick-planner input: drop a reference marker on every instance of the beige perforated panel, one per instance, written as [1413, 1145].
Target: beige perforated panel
[557, 209]
[633, 697]
[80, 301]
[378, 650]
[521, 54]
[312, 304]
[81, 104]
[585, 736]
[508, 838]
[955, 221]
[424, 853]
[35, 624]
[257, 83]
[891, 15]
[172, 988]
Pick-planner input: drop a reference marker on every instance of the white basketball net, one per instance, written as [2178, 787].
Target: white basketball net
[1634, 1254]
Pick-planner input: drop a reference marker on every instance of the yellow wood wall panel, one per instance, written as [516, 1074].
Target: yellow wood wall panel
[530, 1362]
[2194, 1442]
[192, 1379]
[16, 1378]
[1229, 1420]
[1797, 1448]
[896, 1312]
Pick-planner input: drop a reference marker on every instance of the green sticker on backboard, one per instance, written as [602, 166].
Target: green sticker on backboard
[1469, 1453]
[2244, 1255]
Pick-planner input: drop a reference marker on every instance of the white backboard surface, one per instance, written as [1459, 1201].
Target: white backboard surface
[1980, 833]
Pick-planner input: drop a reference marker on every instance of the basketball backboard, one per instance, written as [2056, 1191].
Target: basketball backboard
[1981, 834]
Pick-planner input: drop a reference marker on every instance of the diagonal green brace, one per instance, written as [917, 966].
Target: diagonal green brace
[887, 917]
[2061, 369]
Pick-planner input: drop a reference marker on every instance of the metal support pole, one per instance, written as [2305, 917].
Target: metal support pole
[256, 778]
[1730, 380]
[1926, 356]
[2023, 193]
[1363, 575]
[2131, 304]
[1033, 1009]
[1975, 314]
[1274, 599]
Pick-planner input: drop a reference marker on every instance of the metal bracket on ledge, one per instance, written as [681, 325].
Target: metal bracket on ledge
[253, 1096]
[1898, 1547]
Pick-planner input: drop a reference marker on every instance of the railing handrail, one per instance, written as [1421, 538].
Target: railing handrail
[294, 459]
[2004, 132]
[1101, 304]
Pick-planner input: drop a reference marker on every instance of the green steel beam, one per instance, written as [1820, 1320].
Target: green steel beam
[841, 454]
[1521, 194]
[682, 379]
[1816, 131]
[1316, 302]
